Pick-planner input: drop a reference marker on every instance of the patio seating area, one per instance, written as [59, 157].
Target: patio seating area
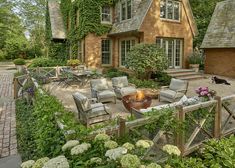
[115, 106]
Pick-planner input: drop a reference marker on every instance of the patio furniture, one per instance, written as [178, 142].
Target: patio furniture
[175, 91]
[101, 91]
[121, 87]
[89, 113]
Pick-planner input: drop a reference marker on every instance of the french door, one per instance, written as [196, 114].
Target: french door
[173, 49]
[125, 46]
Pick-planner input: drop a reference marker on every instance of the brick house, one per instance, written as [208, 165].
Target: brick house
[219, 41]
[169, 23]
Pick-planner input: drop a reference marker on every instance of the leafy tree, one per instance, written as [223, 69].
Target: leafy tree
[144, 59]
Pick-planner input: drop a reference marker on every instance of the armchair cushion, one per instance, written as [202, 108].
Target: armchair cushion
[97, 110]
[178, 85]
[105, 94]
[171, 94]
[128, 90]
[120, 82]
[99, 84]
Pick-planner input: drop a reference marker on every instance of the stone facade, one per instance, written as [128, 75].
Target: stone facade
[220, 62]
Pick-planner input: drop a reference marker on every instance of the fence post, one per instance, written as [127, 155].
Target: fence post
[180, 140]
[15, 88]
[122, 127]
[218, 114]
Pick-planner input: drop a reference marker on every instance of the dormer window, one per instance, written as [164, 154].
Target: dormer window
[126, 9]
[106, 14]
[170, 9]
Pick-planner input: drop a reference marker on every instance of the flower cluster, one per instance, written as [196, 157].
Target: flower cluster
[153, 165]
[59, 161]
[95, 160]
[102, 137]
[144, 144]
[171, 150]
[116, 153]
[203, 92]
[79, 149]
[40, 162]
[110, 144]
[28, 164]
[69, 145]
[130, 161]
[128, 146]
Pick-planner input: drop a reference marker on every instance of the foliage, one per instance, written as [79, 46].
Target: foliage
[19, 61]
[144, 59]
[25, 130]
[196, 57]
[73, 62]
[202, 11]
[143, 83]
[114, 72]
[219, 153]
[46, 62]
[162, 78]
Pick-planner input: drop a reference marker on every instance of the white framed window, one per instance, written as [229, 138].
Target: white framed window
[106, 14]
[170, 9]
[106, 52]
[125, 46]
[126, 9]
[173, 49]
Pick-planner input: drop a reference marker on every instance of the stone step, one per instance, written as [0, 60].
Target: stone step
[194, 77]
[176, 71]
[184, 74]
[10, 162]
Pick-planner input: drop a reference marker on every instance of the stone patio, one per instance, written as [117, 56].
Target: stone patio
[65, 94]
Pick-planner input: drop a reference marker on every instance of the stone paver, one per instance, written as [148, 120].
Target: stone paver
[8, 140]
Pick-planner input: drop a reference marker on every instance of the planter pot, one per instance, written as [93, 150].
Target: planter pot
[20, 68]
[195, 67]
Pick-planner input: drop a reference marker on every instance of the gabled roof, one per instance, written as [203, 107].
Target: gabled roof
[142, 7]
[221, 30]
[133, 24]
[56, 19]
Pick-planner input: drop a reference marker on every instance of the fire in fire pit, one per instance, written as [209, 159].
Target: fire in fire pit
[137, 101]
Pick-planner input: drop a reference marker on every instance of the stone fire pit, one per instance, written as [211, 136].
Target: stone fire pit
[137, 101]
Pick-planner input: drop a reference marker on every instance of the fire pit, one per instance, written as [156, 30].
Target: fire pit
[137, 101]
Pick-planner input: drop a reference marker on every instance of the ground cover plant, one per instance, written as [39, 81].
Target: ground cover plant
[46, 62]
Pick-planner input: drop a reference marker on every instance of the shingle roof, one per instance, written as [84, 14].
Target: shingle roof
[56, 19]
[133, 24]
[221, 30]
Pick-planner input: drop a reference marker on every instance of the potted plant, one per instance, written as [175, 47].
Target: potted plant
[19, 63]
[195, 59]
[73, 63]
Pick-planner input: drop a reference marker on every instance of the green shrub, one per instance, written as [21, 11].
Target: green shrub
[73, 62]
[46, 62]
[113, 72]
[19, 61]
[143, 83]
[162, 78]
[144, 59]
[2, 55]
[196, 57]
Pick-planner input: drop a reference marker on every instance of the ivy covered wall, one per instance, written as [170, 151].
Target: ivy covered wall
[89, 20]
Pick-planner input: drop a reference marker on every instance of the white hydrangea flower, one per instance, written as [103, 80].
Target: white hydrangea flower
[40, 162]
[128, 146]
[102, 137]
[116, 153]
[58, 162]
[27, 164]
[70, 144]
[110, 144]
[171, 150]
[96, 160]
[144, 144]
[153, 165]
[130, 161]
[142, 166]
[79, 149]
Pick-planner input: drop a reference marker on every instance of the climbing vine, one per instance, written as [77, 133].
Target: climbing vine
[89, 20]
